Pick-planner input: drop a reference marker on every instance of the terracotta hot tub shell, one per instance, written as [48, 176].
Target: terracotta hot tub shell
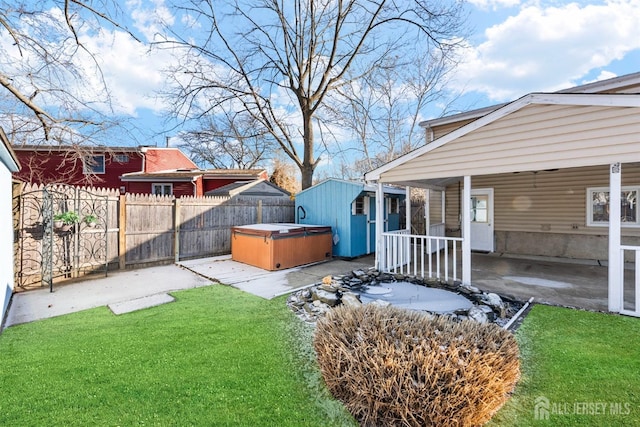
[280, 246]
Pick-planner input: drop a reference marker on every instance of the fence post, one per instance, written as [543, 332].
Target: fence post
[176, 229]
[122, 232]
[259, 211]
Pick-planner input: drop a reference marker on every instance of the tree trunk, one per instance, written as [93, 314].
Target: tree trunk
[308, 163]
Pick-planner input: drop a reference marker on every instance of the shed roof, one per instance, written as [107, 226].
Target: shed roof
[254, 188]
[363, 186]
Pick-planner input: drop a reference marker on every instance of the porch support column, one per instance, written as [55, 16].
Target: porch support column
[466, 230]
[615, 256]
[407, 204]
[380, 249]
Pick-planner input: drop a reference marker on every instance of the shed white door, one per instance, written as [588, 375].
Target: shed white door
[482, 219]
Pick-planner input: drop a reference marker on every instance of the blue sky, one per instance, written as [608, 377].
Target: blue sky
[515, 47]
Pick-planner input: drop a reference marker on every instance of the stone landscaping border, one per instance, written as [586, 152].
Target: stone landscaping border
[312, 302]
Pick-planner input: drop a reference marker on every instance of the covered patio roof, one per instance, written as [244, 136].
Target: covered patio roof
[539, 131]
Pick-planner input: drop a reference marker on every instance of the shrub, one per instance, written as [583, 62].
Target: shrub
[391, 366]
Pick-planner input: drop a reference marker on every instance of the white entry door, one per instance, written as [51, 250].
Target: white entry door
[482, 219]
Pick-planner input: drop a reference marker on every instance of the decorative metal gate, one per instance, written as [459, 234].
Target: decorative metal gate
[61, 234]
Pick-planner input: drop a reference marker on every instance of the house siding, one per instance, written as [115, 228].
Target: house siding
[435, 207]
[545, 213]
[540, 136]
[45, 167]
[442, 130]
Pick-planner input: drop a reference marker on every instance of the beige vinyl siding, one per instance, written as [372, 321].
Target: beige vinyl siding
[534, 137]
[435, 211]
[442, 130]
[545, 201]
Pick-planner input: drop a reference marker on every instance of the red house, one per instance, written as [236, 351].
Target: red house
[141, 170]
[95, 166]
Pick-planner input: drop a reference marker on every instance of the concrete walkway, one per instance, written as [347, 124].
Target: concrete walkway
[129, 290]
[269, 284]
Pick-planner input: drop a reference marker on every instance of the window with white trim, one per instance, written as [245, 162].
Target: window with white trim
[357, 206]
[393, 207]
[93, 164]
[121, 158]
[598, 206]
[162, 189]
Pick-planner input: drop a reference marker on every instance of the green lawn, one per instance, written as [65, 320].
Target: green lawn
[586, 365]
[216, 356]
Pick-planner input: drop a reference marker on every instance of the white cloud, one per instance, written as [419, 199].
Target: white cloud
[150, 16]
[549, 48]
[494, 4]
[132, 73]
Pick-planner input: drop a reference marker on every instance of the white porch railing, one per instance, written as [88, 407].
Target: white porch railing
[425, 256]
[636, 282]
[437, 230]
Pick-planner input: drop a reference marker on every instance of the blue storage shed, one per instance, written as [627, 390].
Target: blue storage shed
[350, 209]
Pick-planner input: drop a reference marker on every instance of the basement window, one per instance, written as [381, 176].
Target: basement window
[598, 207]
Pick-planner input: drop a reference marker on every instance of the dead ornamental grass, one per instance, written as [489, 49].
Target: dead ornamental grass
[398, 367]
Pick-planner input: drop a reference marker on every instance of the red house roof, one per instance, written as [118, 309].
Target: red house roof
[166, 159]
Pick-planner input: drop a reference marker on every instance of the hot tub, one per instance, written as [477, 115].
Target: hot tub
[280, 246]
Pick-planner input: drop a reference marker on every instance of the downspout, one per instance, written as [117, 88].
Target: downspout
[144, 160]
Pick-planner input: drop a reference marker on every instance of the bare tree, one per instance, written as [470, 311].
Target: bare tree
[52, 87]
[279, 60]
[228, 140]
[382, 111]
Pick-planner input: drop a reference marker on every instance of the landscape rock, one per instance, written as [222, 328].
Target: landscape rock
[328, 288]
[468, 289]
[329, 298]
[350, 299]
[477, 314]
[495, 302]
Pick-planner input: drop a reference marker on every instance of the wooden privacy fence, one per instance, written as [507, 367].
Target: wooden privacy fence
[145, 229]
[161, 228]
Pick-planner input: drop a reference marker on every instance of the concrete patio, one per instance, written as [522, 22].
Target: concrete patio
[573, 284]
